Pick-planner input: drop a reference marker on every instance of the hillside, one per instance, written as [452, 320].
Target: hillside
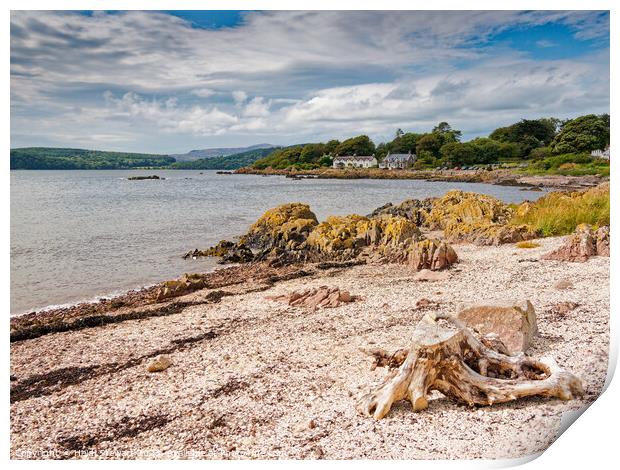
[46, 158]
[217, 152]
[229, 162]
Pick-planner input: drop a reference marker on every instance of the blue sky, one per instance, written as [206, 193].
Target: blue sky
[169, 82]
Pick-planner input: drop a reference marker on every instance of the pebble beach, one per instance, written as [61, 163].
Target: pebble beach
[256, 378]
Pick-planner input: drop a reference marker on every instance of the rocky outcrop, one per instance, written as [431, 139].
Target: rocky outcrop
[489, 233]
[321, 297]
[219, 250]
[138, 178]
[476, 218]
[582, 244]
[514, 322]
[290, 234]
[415, 210]
[345, 237]
[286, 226]
[464, 207]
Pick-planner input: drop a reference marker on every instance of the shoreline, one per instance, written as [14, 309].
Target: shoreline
[496, 177]
[240, 388]
[143, 295]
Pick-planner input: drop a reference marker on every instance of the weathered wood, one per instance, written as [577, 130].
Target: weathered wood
[445, 356]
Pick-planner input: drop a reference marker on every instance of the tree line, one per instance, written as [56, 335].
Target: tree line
[528, 139]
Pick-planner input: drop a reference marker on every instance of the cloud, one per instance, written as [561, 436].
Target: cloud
[290, 76]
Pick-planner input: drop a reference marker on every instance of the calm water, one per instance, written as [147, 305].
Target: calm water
[76, 235]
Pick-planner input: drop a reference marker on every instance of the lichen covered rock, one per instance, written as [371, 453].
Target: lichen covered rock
[285, 226]
[489, 233]
[346, 236]
[477, 218]
[415, 210]
[466, 208]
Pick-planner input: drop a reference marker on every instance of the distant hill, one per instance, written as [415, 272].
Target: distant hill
[228, 162]
[217, 152]
[49, 158]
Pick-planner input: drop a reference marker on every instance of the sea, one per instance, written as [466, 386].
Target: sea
[82, 235]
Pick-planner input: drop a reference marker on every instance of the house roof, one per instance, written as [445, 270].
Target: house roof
[355, 157]
[398, 157]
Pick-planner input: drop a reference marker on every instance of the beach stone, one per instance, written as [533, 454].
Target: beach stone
[562, 308]
[563, 284]
[321, 297]
[428, 275]
[514, 322]
[161, 362]
[582, 244]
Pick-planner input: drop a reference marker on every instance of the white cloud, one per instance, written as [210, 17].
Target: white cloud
[239, 96]
[300, 75]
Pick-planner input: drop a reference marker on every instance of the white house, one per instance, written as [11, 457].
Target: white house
[354, 161]
[398, 160]
[601, 153]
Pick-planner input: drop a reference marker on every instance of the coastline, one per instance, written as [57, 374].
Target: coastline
[240, 388]
[497, 177]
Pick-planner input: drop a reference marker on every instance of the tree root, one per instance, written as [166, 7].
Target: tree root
[445, 356]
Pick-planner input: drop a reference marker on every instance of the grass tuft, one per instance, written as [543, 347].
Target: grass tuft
[559, 213]
[527, 244]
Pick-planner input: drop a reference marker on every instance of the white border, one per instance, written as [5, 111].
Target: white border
[591, 442]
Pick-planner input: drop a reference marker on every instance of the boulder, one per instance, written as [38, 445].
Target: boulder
[602, 241]
[581, 245]
[186, 284]
[323, 297]
[161, 362]
[285, 226]
[514, 322]
[415, 210]
[430, 254]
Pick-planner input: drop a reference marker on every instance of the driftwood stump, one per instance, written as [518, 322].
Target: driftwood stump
[445, 356]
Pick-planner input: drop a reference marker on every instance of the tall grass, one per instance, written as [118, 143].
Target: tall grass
[560, 213]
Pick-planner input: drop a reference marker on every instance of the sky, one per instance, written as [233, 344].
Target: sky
[173, 81]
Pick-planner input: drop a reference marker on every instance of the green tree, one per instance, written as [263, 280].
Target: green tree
[527, 134]
[331, 146]
[582, 134]
[457, 153]
[447, 133]
[431, 143]
[311, 153]
[360, 145]
[405, 143]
